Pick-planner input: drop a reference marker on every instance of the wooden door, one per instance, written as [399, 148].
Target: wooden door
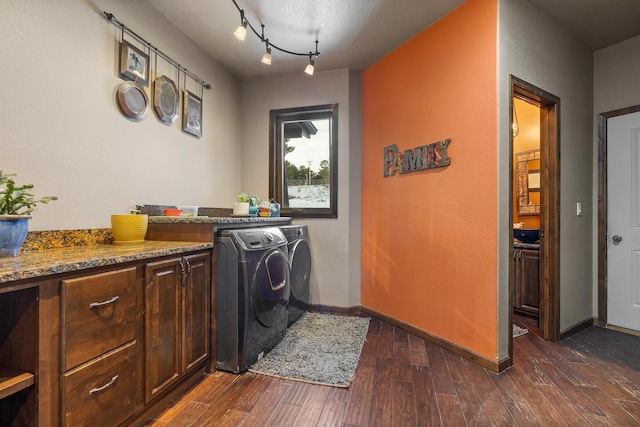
[163, 292]
[195, 311]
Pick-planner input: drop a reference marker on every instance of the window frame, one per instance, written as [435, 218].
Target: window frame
[277, 163]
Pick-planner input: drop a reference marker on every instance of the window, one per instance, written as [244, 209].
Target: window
[303, 168]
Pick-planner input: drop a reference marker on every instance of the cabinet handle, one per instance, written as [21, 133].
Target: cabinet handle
[98, 389]
[100, 304]
[186, 261]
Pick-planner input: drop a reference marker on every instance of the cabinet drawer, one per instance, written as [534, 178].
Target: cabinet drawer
[102, 392]
[98, 315]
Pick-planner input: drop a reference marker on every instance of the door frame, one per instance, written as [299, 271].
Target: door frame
[602, 208]
[549, 317]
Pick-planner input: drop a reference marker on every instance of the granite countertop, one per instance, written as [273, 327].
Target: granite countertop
[518, 244]
[41, 263]
[220, 222]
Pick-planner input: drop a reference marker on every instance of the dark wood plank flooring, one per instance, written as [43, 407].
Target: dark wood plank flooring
[591, 378]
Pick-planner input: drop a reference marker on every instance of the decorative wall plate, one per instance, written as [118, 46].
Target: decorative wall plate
[132, 100]
[165, 99]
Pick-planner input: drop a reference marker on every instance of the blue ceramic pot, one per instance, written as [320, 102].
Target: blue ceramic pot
[13, 231]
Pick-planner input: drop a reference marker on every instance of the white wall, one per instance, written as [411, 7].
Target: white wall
[61, 129]
[335, 243]
[535, 49]
[616, 85]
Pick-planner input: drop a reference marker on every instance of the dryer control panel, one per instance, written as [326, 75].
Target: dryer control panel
[259, 238]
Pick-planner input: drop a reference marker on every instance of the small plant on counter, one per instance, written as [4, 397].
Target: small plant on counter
[18, 200]
[244, 198]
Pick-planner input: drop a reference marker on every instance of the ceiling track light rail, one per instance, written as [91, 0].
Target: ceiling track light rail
[241, 33]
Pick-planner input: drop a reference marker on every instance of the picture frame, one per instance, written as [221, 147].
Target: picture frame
[165, 99]
[192, 114]
[134, 64]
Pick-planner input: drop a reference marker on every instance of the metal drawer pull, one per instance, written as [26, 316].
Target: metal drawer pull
[100, 304]
[110, 383]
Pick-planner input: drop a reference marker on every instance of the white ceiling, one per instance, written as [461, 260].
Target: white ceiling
[355, 34]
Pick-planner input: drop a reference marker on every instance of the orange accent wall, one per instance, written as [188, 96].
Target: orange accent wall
[429, 238]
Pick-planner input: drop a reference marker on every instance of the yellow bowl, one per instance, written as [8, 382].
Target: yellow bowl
[129, 229]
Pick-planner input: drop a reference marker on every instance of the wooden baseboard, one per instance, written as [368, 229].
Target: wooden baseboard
[624, 330]
[343, 311]
[577, 328]
[492, 365]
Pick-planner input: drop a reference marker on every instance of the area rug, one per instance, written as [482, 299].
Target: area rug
[518, 331]
[318, 348]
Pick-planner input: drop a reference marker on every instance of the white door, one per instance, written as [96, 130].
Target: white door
[623, 227]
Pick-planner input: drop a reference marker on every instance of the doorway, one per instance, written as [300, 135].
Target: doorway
[618, 140]
[547, 189]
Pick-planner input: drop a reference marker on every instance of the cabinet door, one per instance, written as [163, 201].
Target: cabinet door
[162, 325]
[195, 311]
[530, 280]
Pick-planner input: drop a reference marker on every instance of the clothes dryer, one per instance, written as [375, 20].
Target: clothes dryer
[252, 293]
[300, 265]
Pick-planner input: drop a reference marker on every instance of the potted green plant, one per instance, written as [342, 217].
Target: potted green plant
[16, 204]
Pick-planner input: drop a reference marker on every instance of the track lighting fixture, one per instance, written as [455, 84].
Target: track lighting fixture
[266, 58]
[311, 66]
[241, 33]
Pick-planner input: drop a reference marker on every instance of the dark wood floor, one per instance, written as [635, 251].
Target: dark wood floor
[589, 379]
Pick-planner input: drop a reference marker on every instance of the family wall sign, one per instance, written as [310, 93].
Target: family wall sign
[429, 156]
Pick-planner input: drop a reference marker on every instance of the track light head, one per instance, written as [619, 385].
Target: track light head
[266, 58]
[241, 31]
[310, 66]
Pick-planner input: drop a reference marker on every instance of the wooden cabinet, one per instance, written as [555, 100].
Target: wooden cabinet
[98, 343]
[108, 381]
[526, 285]
[106, 345]
[196, 312]
[18, 357]
[176, 317]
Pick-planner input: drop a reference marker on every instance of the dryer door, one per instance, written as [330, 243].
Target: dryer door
[271, 288]
[300, 270]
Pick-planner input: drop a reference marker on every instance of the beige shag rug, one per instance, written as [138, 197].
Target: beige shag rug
[318, 348]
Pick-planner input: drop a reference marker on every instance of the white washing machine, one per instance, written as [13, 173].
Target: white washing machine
[300, 265]
[252, 294]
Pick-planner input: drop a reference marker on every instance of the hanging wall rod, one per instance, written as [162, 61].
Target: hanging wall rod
[109, 17]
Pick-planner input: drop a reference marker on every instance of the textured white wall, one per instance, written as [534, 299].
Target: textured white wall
[335, 243]
[616, 85]
[535, 49]
[61, 130]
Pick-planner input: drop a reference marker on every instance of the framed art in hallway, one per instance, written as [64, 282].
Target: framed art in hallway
[192, 114]
[134, 64]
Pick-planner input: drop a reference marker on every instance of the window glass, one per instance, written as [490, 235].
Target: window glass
[303, 167]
